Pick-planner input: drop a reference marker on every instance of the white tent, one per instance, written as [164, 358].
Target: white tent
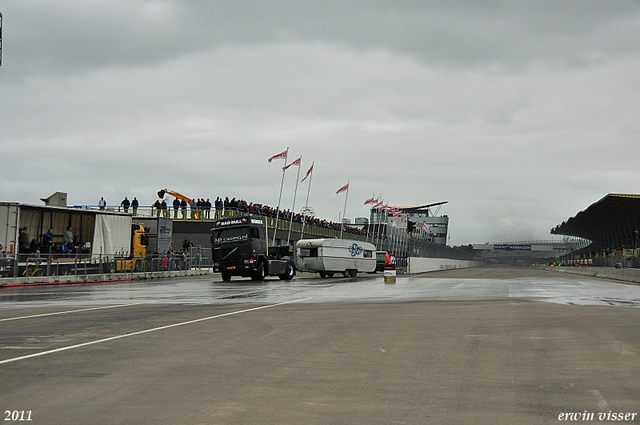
[112, 234]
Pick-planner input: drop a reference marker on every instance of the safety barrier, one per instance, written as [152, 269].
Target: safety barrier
[30, 268]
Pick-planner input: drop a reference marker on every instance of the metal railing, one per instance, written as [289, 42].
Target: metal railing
[47, 265]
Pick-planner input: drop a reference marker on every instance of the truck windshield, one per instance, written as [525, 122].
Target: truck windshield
[225, 236]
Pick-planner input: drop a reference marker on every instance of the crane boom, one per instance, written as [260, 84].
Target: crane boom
[180, 196]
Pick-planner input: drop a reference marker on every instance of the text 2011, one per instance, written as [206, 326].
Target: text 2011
[17, 415]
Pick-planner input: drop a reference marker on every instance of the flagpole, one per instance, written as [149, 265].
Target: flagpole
[306, 203]
[280, 197]
[375, 226]
[379, 225]
[344, 212]
[368, 228]
[295, 192]
[378, 217]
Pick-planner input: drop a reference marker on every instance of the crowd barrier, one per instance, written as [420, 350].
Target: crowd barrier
[32, 267]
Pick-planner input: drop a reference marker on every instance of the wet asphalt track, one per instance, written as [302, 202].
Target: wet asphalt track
[500, 283]
[492, 345]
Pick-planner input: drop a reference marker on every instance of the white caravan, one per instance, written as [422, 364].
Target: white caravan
[329, 256]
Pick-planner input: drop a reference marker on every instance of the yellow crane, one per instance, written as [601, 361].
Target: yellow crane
[180, 196]
[195, 214]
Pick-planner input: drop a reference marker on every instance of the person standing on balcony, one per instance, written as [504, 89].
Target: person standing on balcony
[125, 204]
[176, 207]
[134, 205]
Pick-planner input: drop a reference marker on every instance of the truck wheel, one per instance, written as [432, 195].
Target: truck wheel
[259, 274]
[354, 273]
[323, 275]
[288, 273]
[346, 273]
[226, 276]
[329, 274]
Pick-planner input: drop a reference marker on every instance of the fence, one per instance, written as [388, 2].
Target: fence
[46, 265]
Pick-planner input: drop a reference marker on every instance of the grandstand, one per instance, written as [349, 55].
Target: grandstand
[610, 228]
[527, 252]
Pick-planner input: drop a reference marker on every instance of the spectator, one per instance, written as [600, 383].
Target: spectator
[226, 206]
[176, 207]
[218, 205]
[63, 248]
[207, 209]
[193, 209]
[125, 204]
[183, 207]
[102, 204]
[47, 240]
[68, 238]
[156, 205]
[134, 205]
[199, 208]
[185, 244]
[23, 240]
[165, 212]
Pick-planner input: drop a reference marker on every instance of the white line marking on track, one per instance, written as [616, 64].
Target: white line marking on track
[67, 312]
[602, 404]
[71, 347]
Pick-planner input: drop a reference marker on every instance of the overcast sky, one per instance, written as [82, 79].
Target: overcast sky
[519, 114]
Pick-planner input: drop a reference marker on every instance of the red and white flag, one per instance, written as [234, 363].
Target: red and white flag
[343, 188]
[280, 155]
[307, 175]
[378, 204]
[296, 162]
[426, 228]
[370, 201]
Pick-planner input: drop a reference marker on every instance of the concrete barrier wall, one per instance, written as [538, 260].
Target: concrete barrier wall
[627, 275]
[104, 277]
[422, 265]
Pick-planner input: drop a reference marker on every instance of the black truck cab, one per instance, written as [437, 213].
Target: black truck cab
[239, 248]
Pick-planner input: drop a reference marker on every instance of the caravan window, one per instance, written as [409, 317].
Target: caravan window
[367, 254]
[308, 252]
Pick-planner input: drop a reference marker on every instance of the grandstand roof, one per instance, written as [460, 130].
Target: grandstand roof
[615, 212]
[421, 207]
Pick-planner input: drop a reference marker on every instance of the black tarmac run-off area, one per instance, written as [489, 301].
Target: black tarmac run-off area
[490, 345]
